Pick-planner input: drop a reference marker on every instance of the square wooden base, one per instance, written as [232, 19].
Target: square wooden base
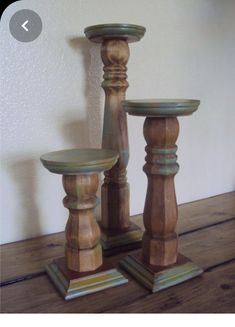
[72, 284]
[116, 242]
[157, 278]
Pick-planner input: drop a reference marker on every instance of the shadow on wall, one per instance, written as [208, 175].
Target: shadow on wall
[24, 174]
[87, 133]
[76, 132]
[83, 133]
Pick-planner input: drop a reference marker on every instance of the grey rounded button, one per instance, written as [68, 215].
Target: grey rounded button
[25, 25]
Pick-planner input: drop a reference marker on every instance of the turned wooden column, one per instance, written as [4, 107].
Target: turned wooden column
[115, 190]
[83, 250]
[114, 39]
[82, 270]
[159, 265]
[160, 212]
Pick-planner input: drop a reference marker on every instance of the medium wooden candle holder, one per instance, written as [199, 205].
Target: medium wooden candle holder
[159, 265]
[117, 230]
[82, 270]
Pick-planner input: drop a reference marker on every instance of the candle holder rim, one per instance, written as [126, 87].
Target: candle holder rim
[75, 161]
[161, 102]
[160, 107]
[129, 32]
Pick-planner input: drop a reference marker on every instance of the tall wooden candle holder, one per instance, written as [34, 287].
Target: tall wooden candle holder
[117, 230]
[82, 270]
[159, 265]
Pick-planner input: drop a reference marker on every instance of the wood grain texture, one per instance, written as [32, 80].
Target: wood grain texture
[79, 168]
[23, 259]
[83, 251]
[214, 292]
[114, 39]
[161, 129]
[160, 245]
[199, 214]
[115, 190]
[208, 247]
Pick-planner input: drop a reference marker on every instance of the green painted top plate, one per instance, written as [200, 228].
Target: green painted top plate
[79, 161]
[129, 32]
[161, 107]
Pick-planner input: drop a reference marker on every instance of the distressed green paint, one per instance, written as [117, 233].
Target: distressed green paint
[129, 32]
[79, 161]
[161, 107]
[155, 150]
[160, 280]
[84, 285]
[163, 160]
[163, 169]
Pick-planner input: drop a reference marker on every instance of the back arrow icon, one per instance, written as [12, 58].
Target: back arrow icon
[24, 27]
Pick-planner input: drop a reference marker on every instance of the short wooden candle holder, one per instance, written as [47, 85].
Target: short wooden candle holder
[159, 265]
[117, 232]
[82, 270]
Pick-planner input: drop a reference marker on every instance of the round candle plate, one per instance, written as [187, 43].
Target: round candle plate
[161, 107]
[129, 32]
[79, 161]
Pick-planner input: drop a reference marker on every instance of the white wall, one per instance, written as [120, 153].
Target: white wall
[51, 99]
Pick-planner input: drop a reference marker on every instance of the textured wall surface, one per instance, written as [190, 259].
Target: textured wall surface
[51, 99]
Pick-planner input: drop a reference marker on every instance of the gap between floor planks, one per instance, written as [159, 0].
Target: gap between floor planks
[26, 259]
[209, 247]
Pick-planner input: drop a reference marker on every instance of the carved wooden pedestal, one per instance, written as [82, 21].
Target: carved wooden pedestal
[82, 271]
[117, 230]
[159, 265]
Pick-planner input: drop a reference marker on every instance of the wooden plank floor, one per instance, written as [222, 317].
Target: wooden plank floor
[207, 236]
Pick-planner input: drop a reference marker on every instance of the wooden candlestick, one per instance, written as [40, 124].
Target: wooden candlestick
[83, 251]
[117, 230]
[82, 271]
[159, 239]
[159, 265]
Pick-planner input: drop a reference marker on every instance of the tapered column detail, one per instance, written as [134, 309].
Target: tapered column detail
[115, 190]
[117, 231]
[83, 251]
[159, 265]
[160, 211]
